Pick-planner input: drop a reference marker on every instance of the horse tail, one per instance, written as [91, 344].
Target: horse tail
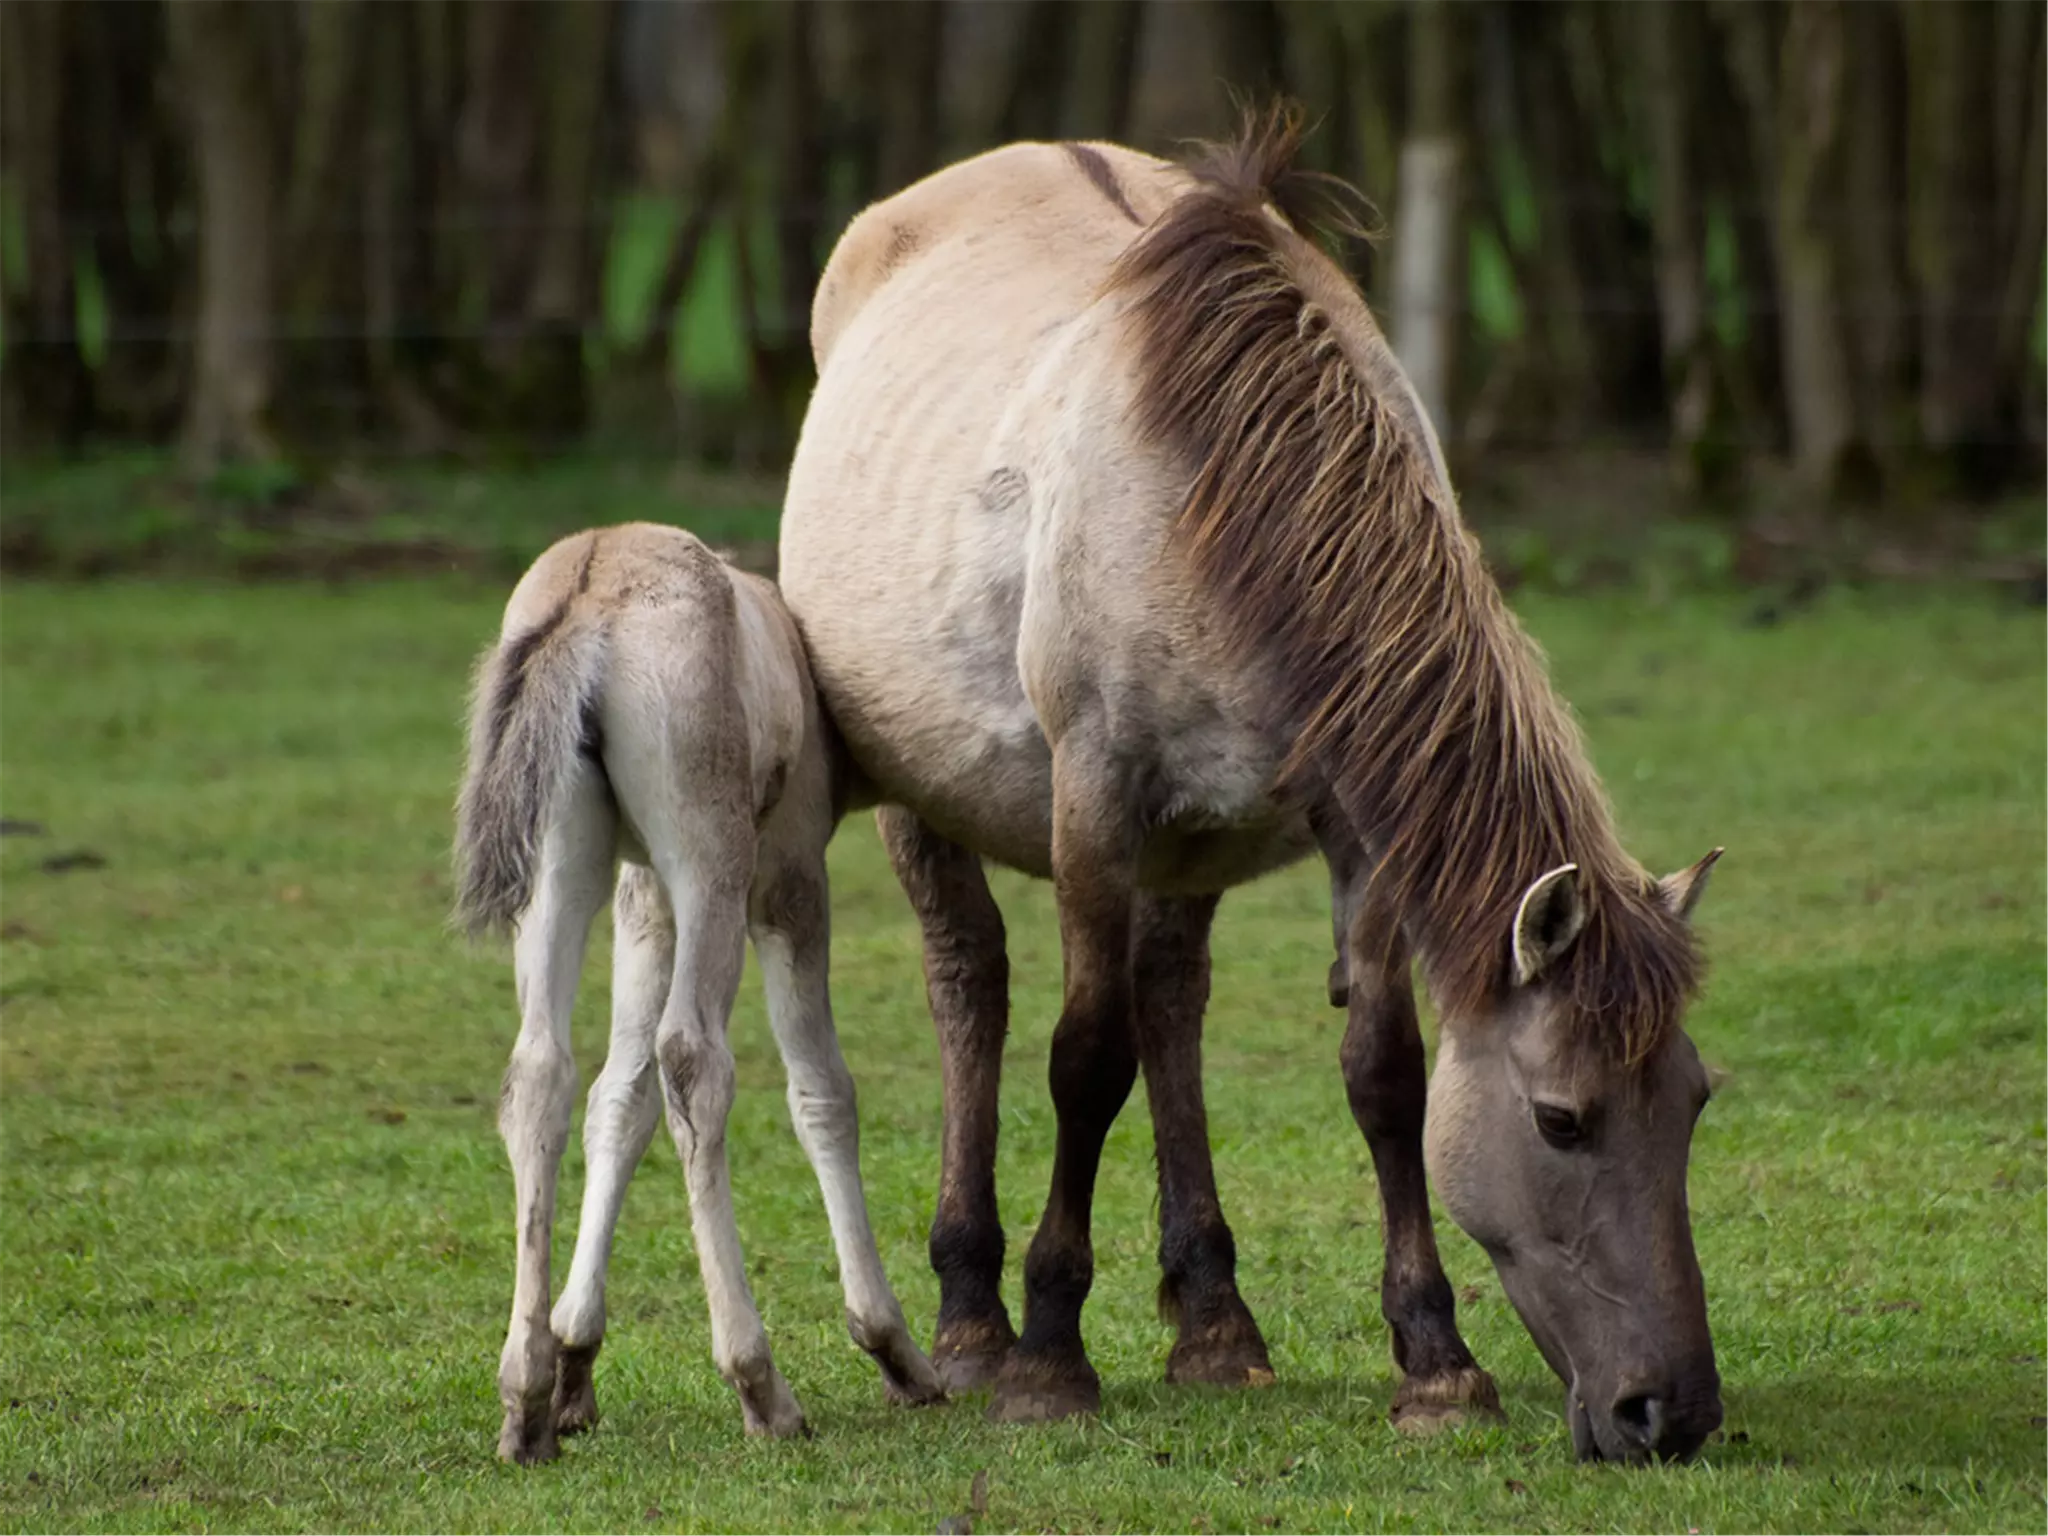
[533, 710]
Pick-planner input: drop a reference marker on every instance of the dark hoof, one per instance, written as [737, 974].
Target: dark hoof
[528, 1438]
[575, 1405]
[1038, 1393]
[1235, 1366]
[1426, 1404]
[969, 1357]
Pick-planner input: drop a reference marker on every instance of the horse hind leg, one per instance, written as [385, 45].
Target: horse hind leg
[618, 1123]
[791, 935]
[539, 1093]
[967, 982]
[1094, 1063]
[1217, 1341]
[709, 894]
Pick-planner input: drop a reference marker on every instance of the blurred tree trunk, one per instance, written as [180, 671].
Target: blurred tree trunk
[399, 196]
[2023, 166]
[890, 96]
[1873, 230]
[1331, 74]
[562, 302]
[496, 138]
[1596, 293]
[1252, 42]
[1672, 41]
[1957, 256]
[127, 186]
[1828, 449]
[1031, 95]
[1790, 69]
[908, 91]
[1104, 71]
[529, 82]
[48, 383]
[1429, 239]
[224, 71]
[322, 358]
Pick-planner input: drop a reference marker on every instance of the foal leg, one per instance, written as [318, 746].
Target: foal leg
[618, 1122]
[1094, 1061]
[540, 1091]
[967, 980]
[1218, 1341]
[792, 937]
[1386, 1079]
[709, 896]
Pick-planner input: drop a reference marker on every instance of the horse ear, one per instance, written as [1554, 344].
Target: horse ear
[1546, 923]
[1682, 891]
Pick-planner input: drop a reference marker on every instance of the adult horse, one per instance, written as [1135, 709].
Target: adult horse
[1126, 556]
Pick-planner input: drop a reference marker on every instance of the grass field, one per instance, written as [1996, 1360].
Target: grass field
[257, 1221]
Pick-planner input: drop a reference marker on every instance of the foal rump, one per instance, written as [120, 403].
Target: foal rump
[636, 631]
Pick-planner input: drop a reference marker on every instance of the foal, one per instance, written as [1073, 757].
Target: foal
[650, 707]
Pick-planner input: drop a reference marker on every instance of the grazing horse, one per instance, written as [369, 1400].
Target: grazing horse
[1125, 556]
[649, 707]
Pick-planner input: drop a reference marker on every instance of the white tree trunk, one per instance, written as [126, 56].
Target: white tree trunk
[1426, 276]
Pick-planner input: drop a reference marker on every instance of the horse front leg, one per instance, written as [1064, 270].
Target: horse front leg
[1217, 1341]
[1094, 1063]
[1386, 1080]
[967, 981]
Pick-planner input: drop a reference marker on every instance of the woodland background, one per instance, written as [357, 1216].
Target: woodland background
[1803, 239]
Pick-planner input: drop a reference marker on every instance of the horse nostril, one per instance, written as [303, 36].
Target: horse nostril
[1640, 1421]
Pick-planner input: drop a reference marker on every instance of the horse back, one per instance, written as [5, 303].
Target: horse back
[1050, 201]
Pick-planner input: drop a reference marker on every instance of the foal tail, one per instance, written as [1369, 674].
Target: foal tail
[532, 711]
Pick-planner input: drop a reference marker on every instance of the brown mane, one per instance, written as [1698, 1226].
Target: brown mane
[1321, 525]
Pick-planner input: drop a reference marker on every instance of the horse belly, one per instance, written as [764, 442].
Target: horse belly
[1204, 862]
[906, 573]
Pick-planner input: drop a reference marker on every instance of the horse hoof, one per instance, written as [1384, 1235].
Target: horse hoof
[780, 1427]
[575, 1405]
[1425, 1405]
[1030, 1396]
[970, 1358]
[773, 1413]
[908, 1379]
[1233, 1357]
[1219, 1371]
[1042, 1405]
[968, 1373]
[528, 1438]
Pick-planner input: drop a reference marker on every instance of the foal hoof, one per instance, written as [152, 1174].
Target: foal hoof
[575, 1406]
[1426, 1404]
[771, 1410]
[911, 1382]
[528, 1438]
[1028, 1396]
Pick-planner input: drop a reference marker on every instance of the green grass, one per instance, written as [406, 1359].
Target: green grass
[257, 1221]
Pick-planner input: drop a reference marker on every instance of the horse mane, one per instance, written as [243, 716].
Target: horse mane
[1321, 524]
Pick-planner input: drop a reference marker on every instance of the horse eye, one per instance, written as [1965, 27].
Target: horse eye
[1559, 1126]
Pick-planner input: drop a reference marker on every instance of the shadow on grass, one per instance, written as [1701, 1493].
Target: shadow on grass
[1976, 1418]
